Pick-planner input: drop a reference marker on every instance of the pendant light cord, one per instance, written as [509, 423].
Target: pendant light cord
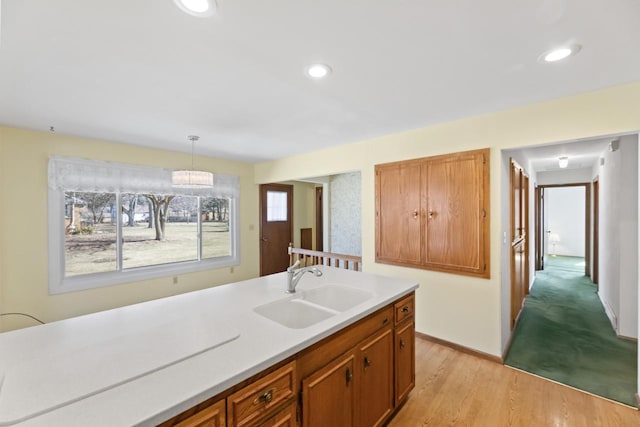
[193, 139]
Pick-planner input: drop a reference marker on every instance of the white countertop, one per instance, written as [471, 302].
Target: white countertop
[55, 374]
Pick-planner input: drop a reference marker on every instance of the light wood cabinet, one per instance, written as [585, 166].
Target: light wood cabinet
[404, 348]
[405, 371]
[328, 395]
[356, 377]
[287, 417]
[260, 398]
[212, 416]
[398, 213]
[375, 379]
[433, 213]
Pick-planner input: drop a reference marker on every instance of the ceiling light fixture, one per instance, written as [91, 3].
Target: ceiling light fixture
[563, 162]
[318, 71]
[200, 8]
[560, 53]
[191, 178]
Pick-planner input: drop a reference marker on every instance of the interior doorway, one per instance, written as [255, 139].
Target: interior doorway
[276, 227]
[563, 218]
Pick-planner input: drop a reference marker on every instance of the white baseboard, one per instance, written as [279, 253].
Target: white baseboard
[610, 314]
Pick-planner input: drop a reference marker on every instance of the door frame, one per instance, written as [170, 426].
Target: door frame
[539, 232]
[596, 230]
[319, 219]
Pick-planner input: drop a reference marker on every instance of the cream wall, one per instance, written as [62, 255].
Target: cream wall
[23, 227]
[304, 205]
[456, 308]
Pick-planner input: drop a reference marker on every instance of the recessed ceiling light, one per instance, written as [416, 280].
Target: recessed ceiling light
[201, 8]
[318, 71]
[560, 53]
[563, 162]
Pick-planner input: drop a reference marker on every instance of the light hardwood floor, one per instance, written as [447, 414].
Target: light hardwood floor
[458, 389]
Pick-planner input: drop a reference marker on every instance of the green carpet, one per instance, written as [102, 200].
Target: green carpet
[564, 334]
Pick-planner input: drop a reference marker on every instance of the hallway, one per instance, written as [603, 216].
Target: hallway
[564, 334]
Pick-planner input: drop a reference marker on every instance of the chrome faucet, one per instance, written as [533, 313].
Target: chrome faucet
[293, 275]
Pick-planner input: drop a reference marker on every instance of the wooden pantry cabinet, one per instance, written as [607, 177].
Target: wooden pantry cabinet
[359, 377]
[433, 213]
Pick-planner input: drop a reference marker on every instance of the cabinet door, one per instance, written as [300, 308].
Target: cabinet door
[375, 399]
[398, 215]
[212, 416]
[405, 362]
[328, 395]
[455, 194]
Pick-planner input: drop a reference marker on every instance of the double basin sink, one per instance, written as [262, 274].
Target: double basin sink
[306, 308]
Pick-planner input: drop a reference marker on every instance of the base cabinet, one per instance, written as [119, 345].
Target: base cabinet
[212, 416]
[328, 395]
[405, 351]
[375, 390]
[356, 377]
[288, 417]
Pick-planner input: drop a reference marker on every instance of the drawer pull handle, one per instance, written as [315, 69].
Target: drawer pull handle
[401, 344]
[265, 397]
[405, 309]
[348, 376]
[385, 321]
[367, 362]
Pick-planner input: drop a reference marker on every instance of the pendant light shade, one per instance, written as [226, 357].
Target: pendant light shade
[192, 178]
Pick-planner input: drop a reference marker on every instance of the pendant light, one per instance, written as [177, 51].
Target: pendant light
[563, 162]
[191, 178]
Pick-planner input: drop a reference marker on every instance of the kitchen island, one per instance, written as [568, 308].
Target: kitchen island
[146, 363]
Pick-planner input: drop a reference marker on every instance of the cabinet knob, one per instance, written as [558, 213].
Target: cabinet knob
[265, 397]
[415, 214]
[348, 376]
[431, 214]
[401, 344]
[405, 309]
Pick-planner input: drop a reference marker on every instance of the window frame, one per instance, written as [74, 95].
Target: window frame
[59, 284]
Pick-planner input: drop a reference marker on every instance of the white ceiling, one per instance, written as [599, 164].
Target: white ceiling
[143, 72]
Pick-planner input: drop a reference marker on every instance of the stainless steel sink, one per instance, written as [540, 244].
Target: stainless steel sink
[315, 305]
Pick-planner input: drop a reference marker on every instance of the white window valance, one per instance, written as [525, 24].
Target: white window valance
[71, 174]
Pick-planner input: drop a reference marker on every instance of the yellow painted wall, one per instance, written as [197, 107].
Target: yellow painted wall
[304, 199]
[23, 227]
[460, 309]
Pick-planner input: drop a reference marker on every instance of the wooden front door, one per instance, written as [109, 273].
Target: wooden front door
[276, 227]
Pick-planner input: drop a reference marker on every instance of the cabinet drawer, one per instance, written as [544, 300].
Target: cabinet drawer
[287, 417]
[258, 400]
[404, 308]
[213, 416]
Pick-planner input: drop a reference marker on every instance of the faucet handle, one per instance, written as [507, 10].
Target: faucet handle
[294, 266]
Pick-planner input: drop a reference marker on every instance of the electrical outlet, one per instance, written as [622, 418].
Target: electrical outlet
[175, 280]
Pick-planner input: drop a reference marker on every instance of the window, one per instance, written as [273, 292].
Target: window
[115, 223]
[276, 206]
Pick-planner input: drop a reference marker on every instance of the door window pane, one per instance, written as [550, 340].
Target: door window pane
[90, 233]
[276, 206]
[215, 214]
[169, 233]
